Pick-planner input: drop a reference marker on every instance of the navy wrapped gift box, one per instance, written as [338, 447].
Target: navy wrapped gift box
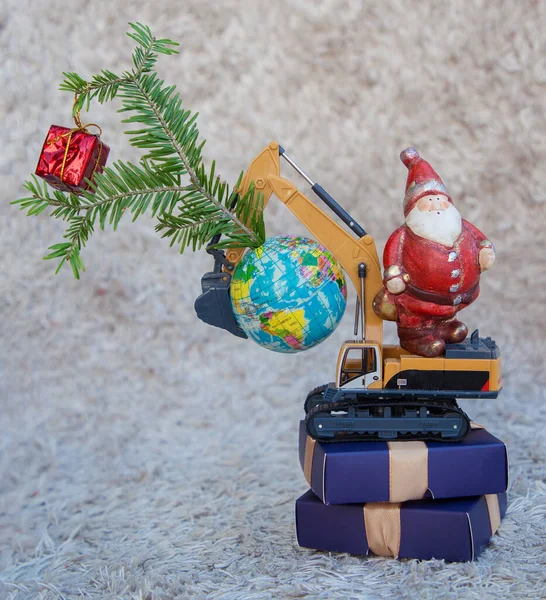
[348, 472]
[452, 529]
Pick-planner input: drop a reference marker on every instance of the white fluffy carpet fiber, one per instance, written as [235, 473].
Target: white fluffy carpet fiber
[144, 455]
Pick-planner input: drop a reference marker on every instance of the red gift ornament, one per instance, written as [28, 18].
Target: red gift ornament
[70, 156]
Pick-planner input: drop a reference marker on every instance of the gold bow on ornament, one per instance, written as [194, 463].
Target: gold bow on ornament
[83, 129]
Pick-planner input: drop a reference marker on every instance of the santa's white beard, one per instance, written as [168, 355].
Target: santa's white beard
[442, 226]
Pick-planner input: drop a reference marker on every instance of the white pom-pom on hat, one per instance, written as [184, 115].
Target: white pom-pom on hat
[408, 156]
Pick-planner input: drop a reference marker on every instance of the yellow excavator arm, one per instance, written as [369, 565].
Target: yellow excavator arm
[350, 252]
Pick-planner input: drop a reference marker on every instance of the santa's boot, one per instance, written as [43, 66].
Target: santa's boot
[452, 331]
[424, 342]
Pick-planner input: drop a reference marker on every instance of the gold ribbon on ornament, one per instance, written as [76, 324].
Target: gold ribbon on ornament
[83, 129]
[383, 527]
[408, 467]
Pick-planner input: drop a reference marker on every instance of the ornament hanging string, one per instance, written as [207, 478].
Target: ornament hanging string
[83, 129]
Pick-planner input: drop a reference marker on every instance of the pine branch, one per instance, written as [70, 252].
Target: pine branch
[105, 85]
[186, 232]
[169, 134]
[78, 233]
[41, 198]
[124, 186]
[171, 131]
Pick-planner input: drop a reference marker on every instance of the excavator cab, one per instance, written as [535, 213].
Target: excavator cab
[359, 366]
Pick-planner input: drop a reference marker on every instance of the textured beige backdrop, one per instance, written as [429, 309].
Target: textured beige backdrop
[145, 455]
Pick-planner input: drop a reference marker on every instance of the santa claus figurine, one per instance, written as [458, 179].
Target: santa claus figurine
[432, 264]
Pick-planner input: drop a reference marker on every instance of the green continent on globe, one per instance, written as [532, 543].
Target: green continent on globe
[289, 294]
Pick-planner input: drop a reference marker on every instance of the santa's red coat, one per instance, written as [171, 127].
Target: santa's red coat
[442, 279]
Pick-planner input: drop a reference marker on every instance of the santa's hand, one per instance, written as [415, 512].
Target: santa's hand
[486, 258]
[396, 285]
[395, 279]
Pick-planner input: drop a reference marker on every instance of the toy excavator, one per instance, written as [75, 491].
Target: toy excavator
[381, 391]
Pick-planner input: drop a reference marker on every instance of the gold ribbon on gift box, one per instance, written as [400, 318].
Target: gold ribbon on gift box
[383, 525]
[408, 468]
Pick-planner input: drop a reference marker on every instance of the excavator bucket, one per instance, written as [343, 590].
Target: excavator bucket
[213, 306]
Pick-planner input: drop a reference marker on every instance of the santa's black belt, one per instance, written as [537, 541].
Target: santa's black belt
[451, 300]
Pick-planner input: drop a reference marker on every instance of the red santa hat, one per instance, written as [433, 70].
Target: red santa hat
[422, 179]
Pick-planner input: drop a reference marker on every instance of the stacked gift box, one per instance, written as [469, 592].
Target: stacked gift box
[406, 499]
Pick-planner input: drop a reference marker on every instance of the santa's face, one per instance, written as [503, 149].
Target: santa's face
[435, 218]
[433, 202]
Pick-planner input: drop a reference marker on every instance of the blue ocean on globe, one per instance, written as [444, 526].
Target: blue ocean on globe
[289, 294]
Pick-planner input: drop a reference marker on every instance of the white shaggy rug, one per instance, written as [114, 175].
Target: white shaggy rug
[144, 455]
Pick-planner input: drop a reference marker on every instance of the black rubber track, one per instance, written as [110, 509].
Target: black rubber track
[318, 391]
[448, 406]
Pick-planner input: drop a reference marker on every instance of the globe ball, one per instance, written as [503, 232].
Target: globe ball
[289, 294]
